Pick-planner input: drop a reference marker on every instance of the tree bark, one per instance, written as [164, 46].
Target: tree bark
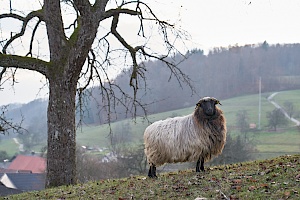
[61, 156]
[67, 59]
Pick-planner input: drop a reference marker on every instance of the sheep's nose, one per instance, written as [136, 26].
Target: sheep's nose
[209, 111]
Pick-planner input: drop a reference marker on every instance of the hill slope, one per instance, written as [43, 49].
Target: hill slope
[269, 143]
[277, 178]
[285, 141]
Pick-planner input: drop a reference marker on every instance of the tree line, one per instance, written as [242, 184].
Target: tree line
[223, 73]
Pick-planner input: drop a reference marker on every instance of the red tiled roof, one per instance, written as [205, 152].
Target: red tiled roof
[34, 164]
[3, 170]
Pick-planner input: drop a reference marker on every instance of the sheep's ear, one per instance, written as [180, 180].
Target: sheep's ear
[218, 102]
[198, 104]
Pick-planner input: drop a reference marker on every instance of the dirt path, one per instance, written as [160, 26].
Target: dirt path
[21, 146]
[270, 99]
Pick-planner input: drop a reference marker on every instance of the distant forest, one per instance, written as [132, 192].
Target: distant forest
[223, 73]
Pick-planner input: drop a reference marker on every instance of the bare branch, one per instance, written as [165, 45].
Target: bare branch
[7, 125]
[25, 20]
[91, 65]
[136, 71]
[113, 12]
[155, 18]
[99, 7]
[1, 74]
[72, 25]
[24, 63]
[131, 50]
[55, 31]
[83, 6]
[32, 38]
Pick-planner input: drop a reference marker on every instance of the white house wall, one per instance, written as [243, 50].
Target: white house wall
[7, 182]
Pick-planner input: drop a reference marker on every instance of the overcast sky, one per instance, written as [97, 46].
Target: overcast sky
[211, 23]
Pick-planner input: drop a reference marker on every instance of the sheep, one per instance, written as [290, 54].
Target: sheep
[195, 137]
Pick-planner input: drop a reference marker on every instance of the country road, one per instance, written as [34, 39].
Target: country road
[21, 146]
[270, 99]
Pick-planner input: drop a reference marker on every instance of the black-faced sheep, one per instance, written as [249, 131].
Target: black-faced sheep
[195, 137]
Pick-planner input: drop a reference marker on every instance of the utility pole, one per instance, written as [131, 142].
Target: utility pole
[10, 8]
[259, 103]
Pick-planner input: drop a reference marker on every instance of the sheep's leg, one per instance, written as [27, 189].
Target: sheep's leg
[197, 165]
[152, 171]
[200, 164]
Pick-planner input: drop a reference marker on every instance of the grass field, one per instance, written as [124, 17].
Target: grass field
[9, 146]
[286, 140]
[276, 178]
[292, 96]
[269, 143]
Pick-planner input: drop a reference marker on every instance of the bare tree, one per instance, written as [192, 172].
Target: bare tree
[80, 52]
[242, 121]
[289, 108]
[276, 118]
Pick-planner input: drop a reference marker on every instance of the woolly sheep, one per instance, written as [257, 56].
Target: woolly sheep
[195, 137]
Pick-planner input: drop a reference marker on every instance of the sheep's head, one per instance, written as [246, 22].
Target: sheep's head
[208, 105]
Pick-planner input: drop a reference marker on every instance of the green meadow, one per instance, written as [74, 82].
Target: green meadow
[276, 178]
[286, 140]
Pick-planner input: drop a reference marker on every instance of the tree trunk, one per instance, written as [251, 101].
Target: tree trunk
[61, 156]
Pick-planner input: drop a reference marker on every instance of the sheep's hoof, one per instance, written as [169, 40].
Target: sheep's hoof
[152, 176]
[201, 170]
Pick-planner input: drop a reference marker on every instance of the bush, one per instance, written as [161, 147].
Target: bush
[235, 150]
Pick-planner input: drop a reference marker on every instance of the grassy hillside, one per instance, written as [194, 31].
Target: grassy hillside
[292, 96]
[9, 146]
[98, 135]
[277, 178]
[269, 143]
[285, 140]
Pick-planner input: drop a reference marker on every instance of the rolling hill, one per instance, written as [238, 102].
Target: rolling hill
[285, 141]
[269, 143]
[276, 178]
